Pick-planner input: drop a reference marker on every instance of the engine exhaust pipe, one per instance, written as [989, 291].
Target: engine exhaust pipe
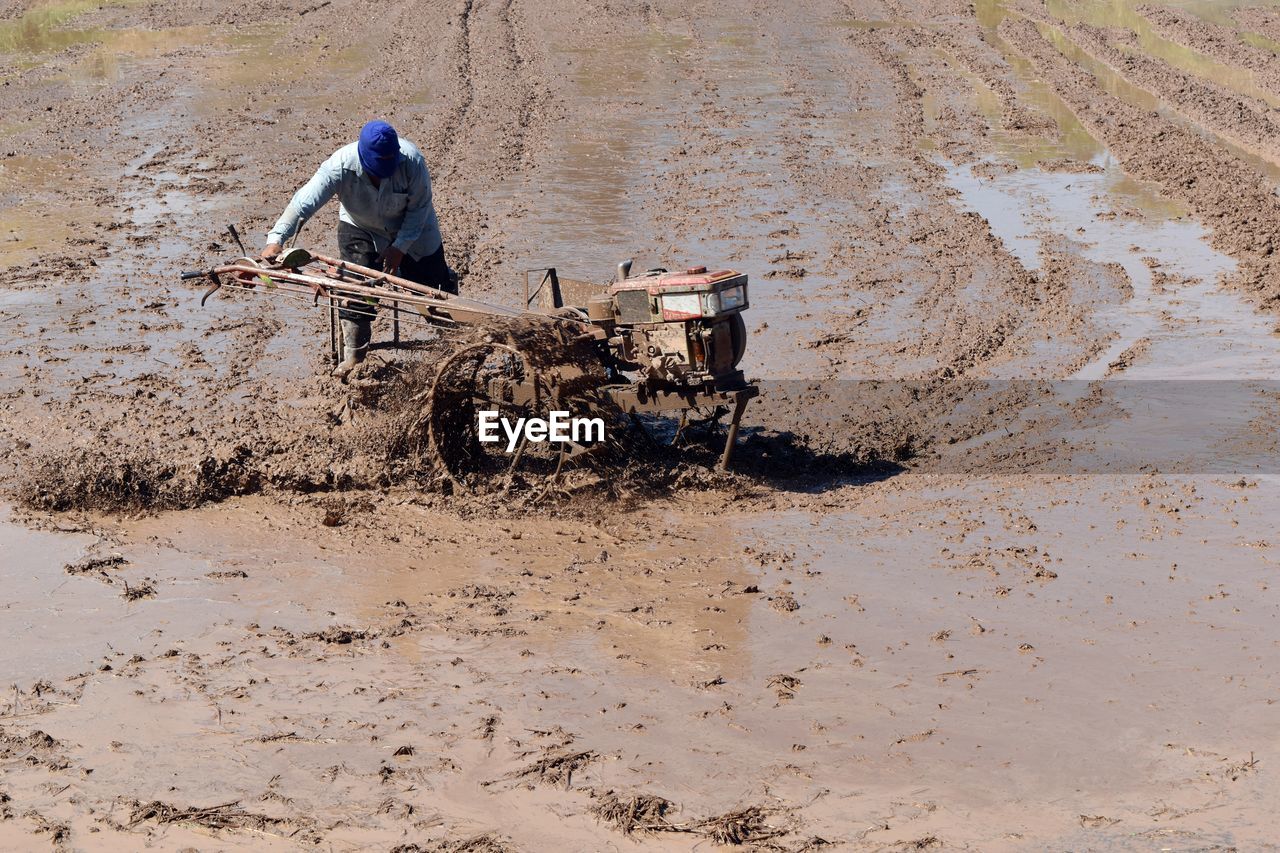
[624, 269]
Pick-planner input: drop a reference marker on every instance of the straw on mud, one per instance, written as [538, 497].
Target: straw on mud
[646, 813]
[226, 816]
[636, 813]
[133, 593]
[745, 826]
[553, 768]
[477, 844]
[94, 564]
[59, 832]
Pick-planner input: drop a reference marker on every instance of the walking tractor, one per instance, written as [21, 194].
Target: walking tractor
[655, 343]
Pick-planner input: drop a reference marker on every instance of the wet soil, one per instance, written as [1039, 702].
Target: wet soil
[959, 592]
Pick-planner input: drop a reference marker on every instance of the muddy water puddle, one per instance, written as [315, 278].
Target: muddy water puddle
[34, 210]
[1037, 615]
[1179, 324]
[82, 618]
[120, 307]
[104, 52]
[1072, 141]
[251, 561]
[953, 667]
[1196, 329]
[46, 27]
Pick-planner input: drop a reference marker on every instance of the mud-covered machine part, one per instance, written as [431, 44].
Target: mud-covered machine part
[661, 342]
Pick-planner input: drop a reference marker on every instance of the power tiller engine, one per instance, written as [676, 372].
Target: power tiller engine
[666, 341]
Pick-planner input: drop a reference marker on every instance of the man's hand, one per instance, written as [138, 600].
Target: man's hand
[270, 252]
[391, 259]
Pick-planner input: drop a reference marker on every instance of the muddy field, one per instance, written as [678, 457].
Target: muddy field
[994, 570]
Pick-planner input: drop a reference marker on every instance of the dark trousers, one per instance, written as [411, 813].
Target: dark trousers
[357, 246]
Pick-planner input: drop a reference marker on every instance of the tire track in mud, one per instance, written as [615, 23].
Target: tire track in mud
[459, 133]
[1229, 195]
[522, 130]
[496, 92]
[453, 135]
[1017, 305]
[443, 138]
[523, 68]
[984, 337]
[714, 203]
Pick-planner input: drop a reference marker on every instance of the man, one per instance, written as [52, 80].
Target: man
[386, 221]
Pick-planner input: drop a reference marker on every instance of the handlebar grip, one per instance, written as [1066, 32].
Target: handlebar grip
[187, 275]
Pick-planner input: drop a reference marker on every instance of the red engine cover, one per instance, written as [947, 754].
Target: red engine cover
[675, 281]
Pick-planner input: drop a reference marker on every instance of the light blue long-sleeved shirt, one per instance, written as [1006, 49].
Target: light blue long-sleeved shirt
[399, 212]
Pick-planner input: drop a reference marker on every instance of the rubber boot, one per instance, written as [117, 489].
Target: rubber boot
[355, 345]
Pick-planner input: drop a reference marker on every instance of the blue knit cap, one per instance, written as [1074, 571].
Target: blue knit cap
[379, 149]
